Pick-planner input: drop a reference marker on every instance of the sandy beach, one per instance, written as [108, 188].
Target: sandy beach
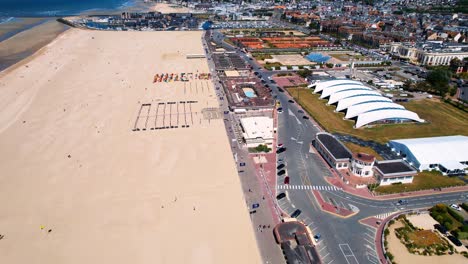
[79, 186]
[170, 8]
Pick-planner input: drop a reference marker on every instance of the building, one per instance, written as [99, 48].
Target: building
[429, 53]
[448, 155]
[257, 130]
[393, 171]
[362, 165]
[296, 243]
[362, 103]
[332, 150]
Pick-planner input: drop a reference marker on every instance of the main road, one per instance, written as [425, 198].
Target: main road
[343, 240]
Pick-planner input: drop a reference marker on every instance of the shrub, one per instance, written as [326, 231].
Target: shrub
[455, 215]
[465, 206]
[386, 232]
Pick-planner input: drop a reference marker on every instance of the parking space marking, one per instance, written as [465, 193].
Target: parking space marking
[330, 261]
[348, 254]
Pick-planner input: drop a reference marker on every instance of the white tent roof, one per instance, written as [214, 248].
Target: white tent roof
[437, 150]
[373, 116]
[357, 109]
[339, 88]
[347, 102]
[320, 85]
[350, 93]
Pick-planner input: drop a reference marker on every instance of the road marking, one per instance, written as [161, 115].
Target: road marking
[326, 255]
[322, 248]
[308, 187]
[330, 261]
[345, 247]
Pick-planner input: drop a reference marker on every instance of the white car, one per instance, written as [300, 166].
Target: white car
[456, 207]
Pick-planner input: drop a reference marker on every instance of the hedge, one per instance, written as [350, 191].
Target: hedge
[455, 215]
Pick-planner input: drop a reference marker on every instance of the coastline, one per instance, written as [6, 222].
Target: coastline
[13, 33]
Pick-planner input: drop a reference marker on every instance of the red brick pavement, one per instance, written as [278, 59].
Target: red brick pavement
[330, 208]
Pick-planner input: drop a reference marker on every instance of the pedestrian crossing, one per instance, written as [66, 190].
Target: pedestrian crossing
[309, 187]
[384, 215]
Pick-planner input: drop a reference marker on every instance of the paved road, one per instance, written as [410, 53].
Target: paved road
[342, 240]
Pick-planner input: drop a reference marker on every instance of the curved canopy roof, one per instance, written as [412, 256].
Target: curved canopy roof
[320, 85]
[327, 91]
[336, 97]
[373, 116]
[347, 102]
[358, 109]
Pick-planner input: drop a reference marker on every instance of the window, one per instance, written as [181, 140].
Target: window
[367, 173]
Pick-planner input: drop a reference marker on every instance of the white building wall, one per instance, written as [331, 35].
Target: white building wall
[402, 179]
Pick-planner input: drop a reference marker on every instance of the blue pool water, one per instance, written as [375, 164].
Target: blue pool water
[250, 94]
[317, 57]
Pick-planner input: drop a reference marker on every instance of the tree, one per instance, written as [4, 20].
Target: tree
[304, 73]
[454, 64]
[408, 85]
[439, 79]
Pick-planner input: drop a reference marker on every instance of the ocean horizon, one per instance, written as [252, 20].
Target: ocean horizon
[50, 8]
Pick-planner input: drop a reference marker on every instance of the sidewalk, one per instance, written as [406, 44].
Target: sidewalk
[330, 208]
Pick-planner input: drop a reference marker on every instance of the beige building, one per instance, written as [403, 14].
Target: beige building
[424, 55]
[257, 130]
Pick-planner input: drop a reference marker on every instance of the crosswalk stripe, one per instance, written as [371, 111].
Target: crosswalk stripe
[308, 187]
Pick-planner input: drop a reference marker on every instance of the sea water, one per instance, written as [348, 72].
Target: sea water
[39, 8]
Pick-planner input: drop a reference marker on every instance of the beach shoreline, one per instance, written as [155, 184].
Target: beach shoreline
[74, 164]
[17, 26]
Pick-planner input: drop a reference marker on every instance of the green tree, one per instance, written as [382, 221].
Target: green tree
[439, 80]
[454, 64]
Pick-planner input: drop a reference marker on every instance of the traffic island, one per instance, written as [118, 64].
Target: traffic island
[330, 208]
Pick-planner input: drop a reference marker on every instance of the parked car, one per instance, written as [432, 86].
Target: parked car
[455, 241]
[317, 237]
[305, 117]
[286, 180]
[300, 111]
[281, 172]
[291, 101]
[280, 150]
[281, 90]
[456, 207]
[280, 166]
[296, 213]
[280, 196]
[255, 205]
[441, 228]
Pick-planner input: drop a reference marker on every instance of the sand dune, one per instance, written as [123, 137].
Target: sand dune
[71, 163]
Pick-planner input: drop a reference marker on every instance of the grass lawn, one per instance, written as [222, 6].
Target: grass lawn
[442, 119]
[425, 238]
[356, 148]
[424, 180]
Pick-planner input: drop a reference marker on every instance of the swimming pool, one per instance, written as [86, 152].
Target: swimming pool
[249, 92]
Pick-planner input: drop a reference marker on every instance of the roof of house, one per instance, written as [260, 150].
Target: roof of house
[334, 146]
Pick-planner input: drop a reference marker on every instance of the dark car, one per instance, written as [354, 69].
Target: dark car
[256, 73]
[291, 101]
[300, 111]
[402, 202]
[242, 164]
[281, 90]
[296, 213]
[272, 81]
[280, 150]
[455, 241]
[280, 167]
[305, 117]
[441, 228]
[280, 196]
[286, 180]
[281, 172]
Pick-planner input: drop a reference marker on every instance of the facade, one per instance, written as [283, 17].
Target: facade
[393, 171]
[332, 150]
[448, 155]
[428, 56]
[257, 130]
[362, 165]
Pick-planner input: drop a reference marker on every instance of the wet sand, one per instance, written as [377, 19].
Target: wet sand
[71, 163]
[27, 42]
